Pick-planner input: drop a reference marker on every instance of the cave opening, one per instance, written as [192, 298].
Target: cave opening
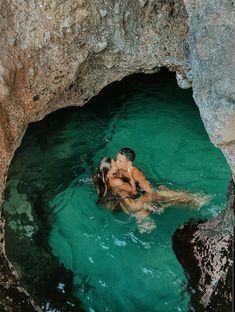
[70, 253]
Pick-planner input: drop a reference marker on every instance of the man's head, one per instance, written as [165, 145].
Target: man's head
[125, 157]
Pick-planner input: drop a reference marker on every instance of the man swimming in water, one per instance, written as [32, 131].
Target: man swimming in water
[140, 191]
[124, 163]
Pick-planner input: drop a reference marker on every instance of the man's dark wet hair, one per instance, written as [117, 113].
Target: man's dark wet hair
[128, 153]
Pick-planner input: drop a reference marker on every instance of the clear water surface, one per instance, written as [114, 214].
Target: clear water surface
[117, 268]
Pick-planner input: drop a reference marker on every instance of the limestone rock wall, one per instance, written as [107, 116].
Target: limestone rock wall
[205, 250]
[212, 61]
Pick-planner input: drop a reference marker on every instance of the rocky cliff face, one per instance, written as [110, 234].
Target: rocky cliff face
[205, 251]
[61, 53]
[212, 62]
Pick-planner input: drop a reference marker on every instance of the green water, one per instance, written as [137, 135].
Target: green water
[117, 268]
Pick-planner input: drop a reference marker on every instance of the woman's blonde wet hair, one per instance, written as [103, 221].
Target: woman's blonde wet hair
[100, 178]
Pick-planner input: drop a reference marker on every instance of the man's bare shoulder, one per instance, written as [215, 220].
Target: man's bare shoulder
[137, 173]
[140, 178]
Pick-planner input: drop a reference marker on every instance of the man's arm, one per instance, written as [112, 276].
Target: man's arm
[140, 178]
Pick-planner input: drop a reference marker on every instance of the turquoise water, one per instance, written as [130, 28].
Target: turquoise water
[115, 266]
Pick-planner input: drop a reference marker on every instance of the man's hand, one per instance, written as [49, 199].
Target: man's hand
[118, 174]
[140, 178]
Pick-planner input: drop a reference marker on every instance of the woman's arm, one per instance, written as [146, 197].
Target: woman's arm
[122, 182]
[118, 186]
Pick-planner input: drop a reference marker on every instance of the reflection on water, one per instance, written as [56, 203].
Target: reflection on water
[114, 266]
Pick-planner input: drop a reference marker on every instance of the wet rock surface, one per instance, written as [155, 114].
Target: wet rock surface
[15, 299]
[39, 272]
[206, 253]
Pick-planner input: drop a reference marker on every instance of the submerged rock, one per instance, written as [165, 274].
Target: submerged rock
[205, 251]
[13, 297]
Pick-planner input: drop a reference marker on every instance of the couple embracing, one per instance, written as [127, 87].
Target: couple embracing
[122, 186]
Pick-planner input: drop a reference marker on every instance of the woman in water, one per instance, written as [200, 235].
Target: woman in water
[117, 191]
